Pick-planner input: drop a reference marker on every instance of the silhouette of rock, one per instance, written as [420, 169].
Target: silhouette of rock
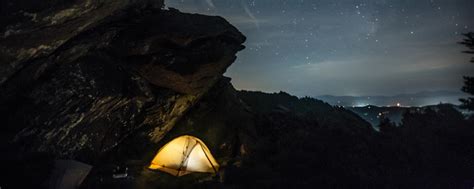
[107, 69]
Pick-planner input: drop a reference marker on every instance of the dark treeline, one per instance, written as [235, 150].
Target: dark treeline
[431, 148]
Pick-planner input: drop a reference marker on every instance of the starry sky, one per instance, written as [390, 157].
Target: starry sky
[346, 47]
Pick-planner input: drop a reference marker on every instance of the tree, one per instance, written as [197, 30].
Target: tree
[468, 103]
[386, 126]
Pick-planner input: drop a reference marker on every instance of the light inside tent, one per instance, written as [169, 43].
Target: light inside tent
[184, 155]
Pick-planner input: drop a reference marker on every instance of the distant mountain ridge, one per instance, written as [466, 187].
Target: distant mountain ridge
[423, 98]
[374, 114]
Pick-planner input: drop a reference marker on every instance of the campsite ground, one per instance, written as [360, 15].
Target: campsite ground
[140, 176]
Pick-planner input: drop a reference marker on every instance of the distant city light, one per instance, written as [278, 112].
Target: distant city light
[398, 104]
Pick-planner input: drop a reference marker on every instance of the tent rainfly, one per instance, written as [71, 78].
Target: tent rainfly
[183, 155]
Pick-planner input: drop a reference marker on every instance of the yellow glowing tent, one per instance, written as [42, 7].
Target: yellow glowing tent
[183, 155]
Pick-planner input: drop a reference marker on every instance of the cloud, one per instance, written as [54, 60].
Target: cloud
[250, 15]
[244, 20]
[210, 4]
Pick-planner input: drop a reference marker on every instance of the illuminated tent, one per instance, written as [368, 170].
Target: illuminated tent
[183, 155]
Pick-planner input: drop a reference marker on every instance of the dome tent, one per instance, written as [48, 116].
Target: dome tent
[183, 155]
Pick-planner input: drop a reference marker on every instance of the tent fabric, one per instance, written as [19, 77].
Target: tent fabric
[183, 155]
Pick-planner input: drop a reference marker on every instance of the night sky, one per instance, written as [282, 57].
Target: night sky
[347, 47]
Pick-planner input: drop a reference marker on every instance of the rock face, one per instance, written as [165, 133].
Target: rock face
[30, 29]
[88, 74]
[220, 119]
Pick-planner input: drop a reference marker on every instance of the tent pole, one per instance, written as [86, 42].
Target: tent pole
[215, 171]
[186, 154]
[186, 145]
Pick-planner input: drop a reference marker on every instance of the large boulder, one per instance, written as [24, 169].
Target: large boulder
[101, 71]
